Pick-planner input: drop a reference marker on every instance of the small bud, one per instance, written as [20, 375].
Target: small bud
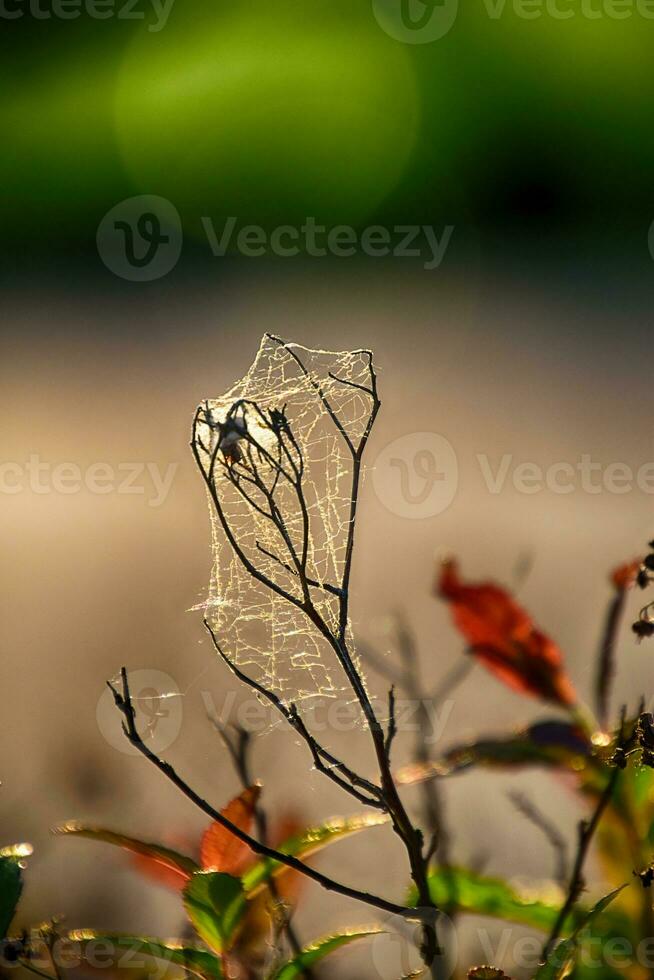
[619, 758]
[642, 579]
[649, 562]
[643, 628]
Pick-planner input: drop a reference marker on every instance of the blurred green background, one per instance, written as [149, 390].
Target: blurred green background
[279, 110]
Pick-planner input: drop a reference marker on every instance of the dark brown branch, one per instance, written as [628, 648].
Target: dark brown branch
[312, 582]
[317, 388]
[124, 704]
[238, 747]
[391, 731]
[324, 761]
[606, 658]
[238, 551]
[586, 832]
[402, 825]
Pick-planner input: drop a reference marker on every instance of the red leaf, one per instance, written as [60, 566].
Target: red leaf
[624, 576]
[159, 872]
[220, 850]
[503, 637]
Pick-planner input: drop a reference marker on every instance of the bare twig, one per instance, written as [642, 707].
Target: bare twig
[391, 731]
[529, 810]
[238, 745]
[124, 704]
[323, 760]
[606, 657]
[264, 469]
[586, 831]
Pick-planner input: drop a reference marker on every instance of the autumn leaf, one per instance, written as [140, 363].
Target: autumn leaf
[220, 850]
[503, 637]
[161, 864]
[254, 933]
[624, 576]
[160, 874]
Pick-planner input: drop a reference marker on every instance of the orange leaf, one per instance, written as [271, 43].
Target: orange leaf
[159, 872]
[289, 883]
[503, 636]
[624, 576]
[254, 934]
[220, 850]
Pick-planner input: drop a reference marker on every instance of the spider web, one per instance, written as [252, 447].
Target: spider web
[312, 402]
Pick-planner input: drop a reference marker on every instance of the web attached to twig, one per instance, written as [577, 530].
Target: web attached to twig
[278, 454]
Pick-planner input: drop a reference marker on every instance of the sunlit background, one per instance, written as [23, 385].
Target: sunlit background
[532, 338]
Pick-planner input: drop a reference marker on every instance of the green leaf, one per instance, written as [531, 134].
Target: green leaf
[459, 889]
[561, 958]
[191, 958]
[162, 855]
[551, 743]
[215, 903]
[305, 844]
[318, 951]
[11, 882]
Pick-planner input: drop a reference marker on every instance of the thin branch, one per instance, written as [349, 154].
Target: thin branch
[433, 807]
[586, 831]
[124, 704]
[312, 582]
[381, 665]
[324, 761]
[238, 747]
[317, 388]
[392, 723]
[452, 679]
[388, 796]
[529, 810]
[606, 657]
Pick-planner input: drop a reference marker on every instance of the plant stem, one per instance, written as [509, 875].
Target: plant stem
[124, 704]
